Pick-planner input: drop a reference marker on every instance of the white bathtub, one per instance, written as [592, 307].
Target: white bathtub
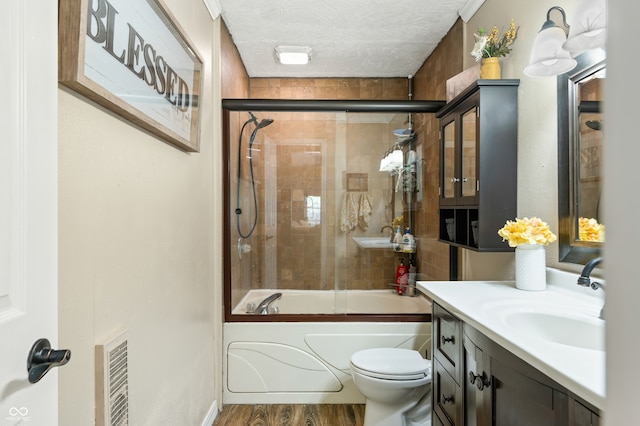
[336, 302]
[308, 362]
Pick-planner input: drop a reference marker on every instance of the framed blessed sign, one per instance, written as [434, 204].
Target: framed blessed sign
[131, 57]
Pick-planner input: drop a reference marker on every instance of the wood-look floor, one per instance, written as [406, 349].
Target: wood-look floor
[291, 415]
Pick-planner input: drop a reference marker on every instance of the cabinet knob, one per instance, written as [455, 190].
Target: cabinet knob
[446, 399]
[455, 180]
[450, 339]
[480, 380]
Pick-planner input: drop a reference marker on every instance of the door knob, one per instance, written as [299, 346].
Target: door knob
[42, 358]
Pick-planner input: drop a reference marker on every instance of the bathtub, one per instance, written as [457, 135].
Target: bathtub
[301, 362]
[337, 302]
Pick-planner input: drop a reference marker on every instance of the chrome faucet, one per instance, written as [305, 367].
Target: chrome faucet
[390, 235]
[263, 307]
[585, 280]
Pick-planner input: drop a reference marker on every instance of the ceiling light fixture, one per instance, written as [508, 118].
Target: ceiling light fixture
[293, 55]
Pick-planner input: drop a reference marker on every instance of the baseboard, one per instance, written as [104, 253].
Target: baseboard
[211, 415]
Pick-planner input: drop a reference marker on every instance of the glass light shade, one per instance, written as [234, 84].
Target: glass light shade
[547, 56]
[589, 31]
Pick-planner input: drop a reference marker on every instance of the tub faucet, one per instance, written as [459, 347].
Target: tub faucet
[263, 307]
[391, 234]
[585, 280]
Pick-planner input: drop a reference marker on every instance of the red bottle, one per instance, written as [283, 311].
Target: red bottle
[401, 278]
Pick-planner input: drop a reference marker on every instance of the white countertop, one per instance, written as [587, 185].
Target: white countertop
[482, 304]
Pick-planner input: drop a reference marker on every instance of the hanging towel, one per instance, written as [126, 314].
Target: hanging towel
[364, 211]
[349, 214]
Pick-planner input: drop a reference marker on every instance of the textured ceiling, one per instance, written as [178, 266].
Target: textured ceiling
[348, 38]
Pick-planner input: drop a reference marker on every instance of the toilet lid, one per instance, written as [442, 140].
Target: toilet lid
[391, 363]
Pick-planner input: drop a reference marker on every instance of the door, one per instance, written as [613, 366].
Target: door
[28, 206]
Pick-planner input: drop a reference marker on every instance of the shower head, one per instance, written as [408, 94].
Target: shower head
[264, 123]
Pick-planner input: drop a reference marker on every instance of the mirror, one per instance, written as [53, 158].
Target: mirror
[580, 133]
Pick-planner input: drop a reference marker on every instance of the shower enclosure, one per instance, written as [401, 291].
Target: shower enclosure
[309, 213]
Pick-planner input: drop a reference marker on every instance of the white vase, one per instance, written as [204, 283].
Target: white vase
[531, 267]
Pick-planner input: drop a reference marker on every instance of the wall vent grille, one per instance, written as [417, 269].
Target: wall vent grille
[112, 382]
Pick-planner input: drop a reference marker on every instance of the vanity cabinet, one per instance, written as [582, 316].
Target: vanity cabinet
[483, 384]
[478, 164]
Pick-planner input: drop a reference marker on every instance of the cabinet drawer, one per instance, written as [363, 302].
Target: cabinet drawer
[447, 342]
[446, 395]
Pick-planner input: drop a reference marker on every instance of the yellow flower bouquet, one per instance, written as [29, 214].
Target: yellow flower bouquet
[527, 231]
[491, 45]
[590, 230]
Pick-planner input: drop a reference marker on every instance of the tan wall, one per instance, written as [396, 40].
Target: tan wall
[139, 249]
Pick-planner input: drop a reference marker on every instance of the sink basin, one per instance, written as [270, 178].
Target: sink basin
[578, 331]
[373, 242]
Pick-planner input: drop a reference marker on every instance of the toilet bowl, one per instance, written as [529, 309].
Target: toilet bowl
[396, 384]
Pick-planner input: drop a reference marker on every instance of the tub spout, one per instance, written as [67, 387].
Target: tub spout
[263, 307]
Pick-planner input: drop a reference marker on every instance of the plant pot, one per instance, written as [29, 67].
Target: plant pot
[531, 271]
[490, 69]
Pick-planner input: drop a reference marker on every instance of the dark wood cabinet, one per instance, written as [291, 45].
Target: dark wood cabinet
[490, 386]
[478, 164]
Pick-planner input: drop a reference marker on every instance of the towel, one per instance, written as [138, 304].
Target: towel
[364, 211]
[356, 211]
[349, 214]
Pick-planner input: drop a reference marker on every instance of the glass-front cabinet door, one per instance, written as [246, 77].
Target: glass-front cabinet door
[469, 141]
[449, 162]
[459, 148]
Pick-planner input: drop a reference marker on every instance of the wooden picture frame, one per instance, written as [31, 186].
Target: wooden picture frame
[132, 57]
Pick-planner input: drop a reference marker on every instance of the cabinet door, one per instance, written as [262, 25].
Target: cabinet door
[468, 156]
[521, 400]
[477, 385]
[449, 170]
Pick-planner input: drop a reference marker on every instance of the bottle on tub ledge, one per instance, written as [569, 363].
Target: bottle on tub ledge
[408, 242]
[411, 280]
[402, 278]
[397, 240]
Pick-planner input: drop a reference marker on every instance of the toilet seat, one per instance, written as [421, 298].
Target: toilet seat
[391, 364]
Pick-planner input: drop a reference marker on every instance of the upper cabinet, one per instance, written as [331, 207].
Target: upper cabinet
[478, 169]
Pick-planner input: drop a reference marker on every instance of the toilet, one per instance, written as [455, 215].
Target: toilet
[396, 384]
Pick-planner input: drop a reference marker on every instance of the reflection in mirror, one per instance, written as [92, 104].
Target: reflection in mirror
[588, 184]
[580, 138]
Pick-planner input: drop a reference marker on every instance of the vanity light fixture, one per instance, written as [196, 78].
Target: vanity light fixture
[293, 55]
[590, 30]
[548, 57]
